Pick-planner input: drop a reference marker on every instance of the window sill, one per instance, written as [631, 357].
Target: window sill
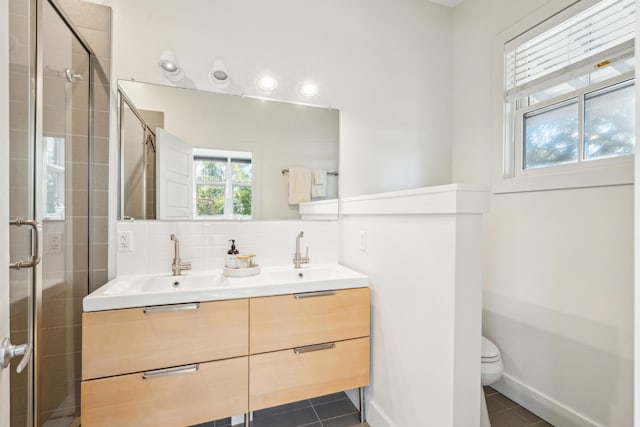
[619, 172]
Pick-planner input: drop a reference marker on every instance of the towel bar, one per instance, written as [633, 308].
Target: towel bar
[283, 171]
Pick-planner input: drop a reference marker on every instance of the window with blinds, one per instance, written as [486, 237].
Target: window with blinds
[569, 88]
[590, 39]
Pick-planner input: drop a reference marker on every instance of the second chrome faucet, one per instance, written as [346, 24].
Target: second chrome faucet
[177, 266]
[298, 259]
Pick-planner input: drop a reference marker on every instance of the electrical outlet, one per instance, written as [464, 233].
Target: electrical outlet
[363, 241]
[125, 241]
[54, 243]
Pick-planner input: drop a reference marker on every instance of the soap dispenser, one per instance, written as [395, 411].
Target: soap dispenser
[232, 253]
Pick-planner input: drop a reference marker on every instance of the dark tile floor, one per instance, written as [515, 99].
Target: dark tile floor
[504, 412]
[334, 410]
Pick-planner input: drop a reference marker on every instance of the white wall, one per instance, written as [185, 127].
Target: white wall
[205, 243]
[385, 65]
[558, 266]
[423, 263]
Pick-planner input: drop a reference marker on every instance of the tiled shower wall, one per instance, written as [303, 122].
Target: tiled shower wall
[205, 244]
[94, 23]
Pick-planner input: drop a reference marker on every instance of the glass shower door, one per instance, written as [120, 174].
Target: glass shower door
[49, 116]
[63, 206]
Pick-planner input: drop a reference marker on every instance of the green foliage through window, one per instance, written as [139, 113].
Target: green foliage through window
[223, 186]
[209, 200]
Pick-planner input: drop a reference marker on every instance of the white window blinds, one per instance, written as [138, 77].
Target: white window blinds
[589, 39]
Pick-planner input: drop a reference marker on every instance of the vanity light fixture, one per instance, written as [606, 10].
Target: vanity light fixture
[168, 63]
[266, 83]
[219, 75]
[308, 89]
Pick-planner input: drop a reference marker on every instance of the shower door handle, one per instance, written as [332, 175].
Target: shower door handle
[35, 259]
[9, 351]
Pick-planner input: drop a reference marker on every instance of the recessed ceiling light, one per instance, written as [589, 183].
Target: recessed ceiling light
[267, 83]
[308, 89]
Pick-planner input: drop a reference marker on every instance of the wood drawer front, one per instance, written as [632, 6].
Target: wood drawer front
[124, 341]
[283, 322]
[216, 390]
[284, 376]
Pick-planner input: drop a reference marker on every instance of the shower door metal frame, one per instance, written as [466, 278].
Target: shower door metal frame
[29, 357]
[122, 101]
[39, 176]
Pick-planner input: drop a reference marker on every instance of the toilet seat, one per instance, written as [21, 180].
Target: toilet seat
[489, 351]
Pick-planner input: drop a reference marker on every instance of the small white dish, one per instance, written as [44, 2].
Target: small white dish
[242, 272]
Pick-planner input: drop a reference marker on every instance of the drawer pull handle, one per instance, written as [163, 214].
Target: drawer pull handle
[186, 369]
[171, 307]
[315, 347]
[314, 294]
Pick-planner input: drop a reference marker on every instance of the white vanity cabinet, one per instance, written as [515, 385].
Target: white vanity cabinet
[184, 364]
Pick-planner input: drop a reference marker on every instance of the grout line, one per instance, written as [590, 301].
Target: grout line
[287, 410]
[329, 401]
[340, 416]
[316, 412]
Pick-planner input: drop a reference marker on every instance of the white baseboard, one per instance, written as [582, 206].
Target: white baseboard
[375, 416]
[540, 404]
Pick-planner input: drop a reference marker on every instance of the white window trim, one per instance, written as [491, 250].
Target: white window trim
[580, 164]
[594, 173]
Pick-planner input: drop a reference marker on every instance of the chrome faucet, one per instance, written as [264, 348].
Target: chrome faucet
[298, 259]
[177, 265]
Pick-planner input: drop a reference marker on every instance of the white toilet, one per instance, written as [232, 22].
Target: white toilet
[491, 372]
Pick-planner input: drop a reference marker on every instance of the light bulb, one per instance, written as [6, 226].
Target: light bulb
[309, 89]
[267, 83]
[168, 62]
[219, 75]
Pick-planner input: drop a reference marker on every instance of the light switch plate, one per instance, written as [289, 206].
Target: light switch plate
[363, 241]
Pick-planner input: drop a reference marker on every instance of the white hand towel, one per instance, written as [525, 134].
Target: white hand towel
[319, 184]
[299, 185]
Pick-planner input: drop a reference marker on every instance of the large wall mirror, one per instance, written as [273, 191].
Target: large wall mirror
[189, 154]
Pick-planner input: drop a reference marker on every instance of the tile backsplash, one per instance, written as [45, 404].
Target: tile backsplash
[205, 243]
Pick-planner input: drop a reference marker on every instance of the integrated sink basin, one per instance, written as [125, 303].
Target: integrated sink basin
[145, 290]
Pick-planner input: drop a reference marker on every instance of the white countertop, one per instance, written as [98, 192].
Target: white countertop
[129, 291]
